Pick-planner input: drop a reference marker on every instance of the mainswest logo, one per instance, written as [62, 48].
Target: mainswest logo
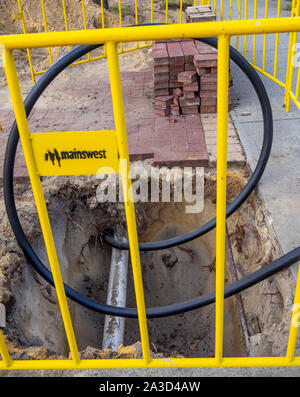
[74, 154]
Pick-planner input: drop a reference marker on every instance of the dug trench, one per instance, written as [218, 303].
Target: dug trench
[256, 322]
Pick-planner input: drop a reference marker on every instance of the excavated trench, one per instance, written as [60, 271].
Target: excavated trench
[255, 323]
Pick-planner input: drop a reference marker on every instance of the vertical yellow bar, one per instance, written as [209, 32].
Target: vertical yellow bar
[222, 120]
[245, 36]
[290, 70]
[265, 38]
[28, 50]
[84, 22]
[222, 10]
[167, 10]
[298, 85]
[46, 29]
[180, 11]
[239, 18]
[254, 36]
[118, 107]
[65, 18]
[291, 59]
[102, 15]
[4, 352]
[294, 322]
[276, 42]
[136, 18]
[120, 22]
[21, 119]
[151, 17]
[136, 12]
[215, 7]
[103, 22]
[151, 11]
[83, 14]
[230, 4]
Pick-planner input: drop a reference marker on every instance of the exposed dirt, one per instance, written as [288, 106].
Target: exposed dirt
[170, 276]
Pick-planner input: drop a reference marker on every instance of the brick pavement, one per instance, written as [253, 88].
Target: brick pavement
[174, 140]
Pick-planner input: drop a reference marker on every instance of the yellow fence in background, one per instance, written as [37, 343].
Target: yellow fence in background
[224, 10]
[111, 38]
[20, 16]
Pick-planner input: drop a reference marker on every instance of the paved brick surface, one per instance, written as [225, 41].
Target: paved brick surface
[168, 140]
[85, 104]
[235, 152]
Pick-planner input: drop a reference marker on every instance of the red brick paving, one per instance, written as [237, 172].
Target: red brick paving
[173, 140]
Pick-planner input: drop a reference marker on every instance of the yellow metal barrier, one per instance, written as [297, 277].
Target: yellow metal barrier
[118, 108]
[238, 9]
[222, 123]
[111, 37]
[120, 9]
[291, 64]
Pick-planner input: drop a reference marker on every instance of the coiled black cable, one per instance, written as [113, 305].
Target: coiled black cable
[177, 308]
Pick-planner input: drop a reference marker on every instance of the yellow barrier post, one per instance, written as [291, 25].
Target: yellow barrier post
[276, 43]
[222, 123]
[102, 15]
[151, 17]
[120, 22]
[21, 119]
[290, 71]
[265, 38]
[254, 36]
[294, 322]
[84, 23]
[136, 19]
[4, 352]
[167, 10]
[222, 10]
[296, 96]
[65, 18]
[239, 18]
[245, 37]
[291, 57]
[28, 50]
[46, 29]
[180, 11]
[118, 108]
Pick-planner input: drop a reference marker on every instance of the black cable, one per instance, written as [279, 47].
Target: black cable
[177, 308]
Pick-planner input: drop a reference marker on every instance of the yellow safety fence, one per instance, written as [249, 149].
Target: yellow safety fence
[224, 10]
[223, 30]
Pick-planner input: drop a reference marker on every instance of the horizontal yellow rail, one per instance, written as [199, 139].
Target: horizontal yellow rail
[148, 33]
[154, 363]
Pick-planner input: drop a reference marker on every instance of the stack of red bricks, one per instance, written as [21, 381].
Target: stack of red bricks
[206, 63]
[161, 69]
[185, 77]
